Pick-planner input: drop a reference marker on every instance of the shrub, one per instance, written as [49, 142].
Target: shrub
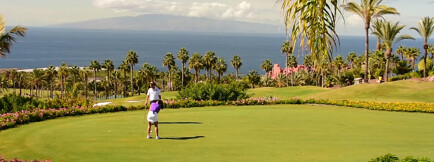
[392, 158]
[220, 92]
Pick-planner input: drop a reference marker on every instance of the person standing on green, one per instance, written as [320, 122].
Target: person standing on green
[153, 95]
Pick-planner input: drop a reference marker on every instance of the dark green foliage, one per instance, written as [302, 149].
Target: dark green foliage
[392, 158]
[221, 92]
[345, 79]
[14, 103]
[401, 68]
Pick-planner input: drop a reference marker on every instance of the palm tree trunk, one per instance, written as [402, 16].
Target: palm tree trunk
[61, 80]
[94, 81]
[286, 70]
[116, 90]
[182, 77]
[366, 51]
[425, 47]
[51, 88]
[108, 82]
[132, 85]
[13, 82]
[386, 73]
[85, 86]
[237, 73]
[125, 83]
[196, 75]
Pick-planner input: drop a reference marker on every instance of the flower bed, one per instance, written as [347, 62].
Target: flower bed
[9, 120]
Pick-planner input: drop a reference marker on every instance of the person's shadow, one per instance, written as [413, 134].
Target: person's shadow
[182, 138]
[179, 123]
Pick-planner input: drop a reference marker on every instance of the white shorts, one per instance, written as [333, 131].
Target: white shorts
[152, 117]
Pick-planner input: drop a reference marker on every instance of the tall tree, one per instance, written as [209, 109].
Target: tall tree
[412, 53]
[286, 49]
[132, 59]
[312, 22]
[208, 61]
[253, 78]
[292, 63]
[267, 66]
[95, 66]
[339, 63]
[63, 73]
[50, 73]
[425, 28]
[431, 50]
[116, 76]
[236, 62]
[7, 39]
[183, 57]
[11, 76]
[124, 68]
[401, 51]
[109, 67]
[196, 64]
[169, 61]
[351, 57]
[220, 67]
[84, 74]
[368, 10]
[388, 33]
[74, 71]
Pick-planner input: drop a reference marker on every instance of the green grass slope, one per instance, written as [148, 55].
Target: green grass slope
[227, 133]
[399, 91]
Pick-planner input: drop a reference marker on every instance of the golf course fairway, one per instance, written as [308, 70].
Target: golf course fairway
[227, 133]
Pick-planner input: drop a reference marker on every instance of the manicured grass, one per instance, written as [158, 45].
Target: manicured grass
[286, 92]
[399, 91]
[227, 133]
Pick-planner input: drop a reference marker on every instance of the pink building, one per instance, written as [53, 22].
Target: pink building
[277, 70]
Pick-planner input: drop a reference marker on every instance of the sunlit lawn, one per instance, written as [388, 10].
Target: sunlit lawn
[227, 133]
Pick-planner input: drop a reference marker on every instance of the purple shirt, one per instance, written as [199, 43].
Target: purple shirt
[155, 107]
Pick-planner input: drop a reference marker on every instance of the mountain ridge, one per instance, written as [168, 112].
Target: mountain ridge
[159, 22]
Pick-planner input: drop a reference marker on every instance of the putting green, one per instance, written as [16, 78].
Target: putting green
[227, 133]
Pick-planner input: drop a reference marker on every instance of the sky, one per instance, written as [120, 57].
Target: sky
[50, 12]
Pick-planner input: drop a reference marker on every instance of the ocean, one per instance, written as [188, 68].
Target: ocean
[43, 47]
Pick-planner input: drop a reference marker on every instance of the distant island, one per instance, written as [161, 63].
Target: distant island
[159, 22]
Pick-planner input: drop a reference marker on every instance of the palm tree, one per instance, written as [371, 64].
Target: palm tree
[253, 78]
[37, 79]
[376, 27]
[339, 63]
[431, 50]
[220, 67]
[124, 68]
[287, 49]
[236, 62]
[208, 61]
[74, 71]
[308, 62]
[412, 54]
[85, 75]
[11, 76]
[132, 59]
[267, 66]
[401, 51]
[183, 57]
[388, 34]
[368, 10]
[196, 64]
[108, 65]
[312, 22]
[21, 79]
[7, 39]
[63, 73]
[292, 63]
[351, 57]
[50, 73]
[116, 75]
[425, 29]
[95, 66]
[169, 61]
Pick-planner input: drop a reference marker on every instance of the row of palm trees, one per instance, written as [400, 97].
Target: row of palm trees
[314, 22]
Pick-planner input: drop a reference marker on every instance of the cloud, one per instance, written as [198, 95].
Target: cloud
[214, 10]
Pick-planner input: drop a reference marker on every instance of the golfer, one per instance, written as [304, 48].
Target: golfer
[154, 95]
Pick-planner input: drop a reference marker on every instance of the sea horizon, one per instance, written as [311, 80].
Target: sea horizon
[45, 46]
